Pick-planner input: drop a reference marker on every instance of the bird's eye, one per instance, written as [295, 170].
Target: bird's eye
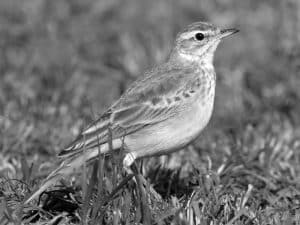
[199, 36]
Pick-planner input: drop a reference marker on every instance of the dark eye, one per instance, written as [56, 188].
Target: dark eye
[199, 36]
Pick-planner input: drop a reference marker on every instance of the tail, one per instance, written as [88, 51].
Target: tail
[84, 148]
[68, 166]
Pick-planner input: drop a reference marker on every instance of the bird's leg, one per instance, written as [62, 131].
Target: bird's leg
[131, 168]
[141, 192]
[128, 162]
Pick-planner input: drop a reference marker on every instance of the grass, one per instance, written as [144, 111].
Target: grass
[63, 62]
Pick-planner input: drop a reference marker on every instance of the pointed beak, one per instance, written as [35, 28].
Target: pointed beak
[228, 32]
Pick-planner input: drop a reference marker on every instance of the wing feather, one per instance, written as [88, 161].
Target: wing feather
[148, 101]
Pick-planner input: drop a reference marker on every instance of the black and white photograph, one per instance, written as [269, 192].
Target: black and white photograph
[152, 112]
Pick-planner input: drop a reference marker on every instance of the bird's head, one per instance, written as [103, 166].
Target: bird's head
[199, 41]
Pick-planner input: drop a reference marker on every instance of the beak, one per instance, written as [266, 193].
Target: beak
[228, 32]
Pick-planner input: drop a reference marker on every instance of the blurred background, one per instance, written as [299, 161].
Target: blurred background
[62, 62]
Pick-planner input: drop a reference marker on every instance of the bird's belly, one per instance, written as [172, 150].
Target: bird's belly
[171, 134]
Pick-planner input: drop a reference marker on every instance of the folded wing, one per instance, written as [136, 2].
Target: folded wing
[148, 101]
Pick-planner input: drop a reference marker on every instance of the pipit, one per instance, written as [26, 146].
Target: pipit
[163, 111]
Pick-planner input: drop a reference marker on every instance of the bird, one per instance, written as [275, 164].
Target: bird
[164, 110]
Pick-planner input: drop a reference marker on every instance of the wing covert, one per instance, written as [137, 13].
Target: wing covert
[149, 100]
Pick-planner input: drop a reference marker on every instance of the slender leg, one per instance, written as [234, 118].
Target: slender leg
[131, 168]
[129, 160]
[145, 210]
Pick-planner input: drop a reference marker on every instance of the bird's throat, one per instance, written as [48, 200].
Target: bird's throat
[186, 59]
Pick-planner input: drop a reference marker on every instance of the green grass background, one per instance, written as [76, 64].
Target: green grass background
[63, 62]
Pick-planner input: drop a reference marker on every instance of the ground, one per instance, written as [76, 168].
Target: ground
[63, 62]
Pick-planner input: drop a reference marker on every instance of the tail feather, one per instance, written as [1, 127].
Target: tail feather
[67, 167]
